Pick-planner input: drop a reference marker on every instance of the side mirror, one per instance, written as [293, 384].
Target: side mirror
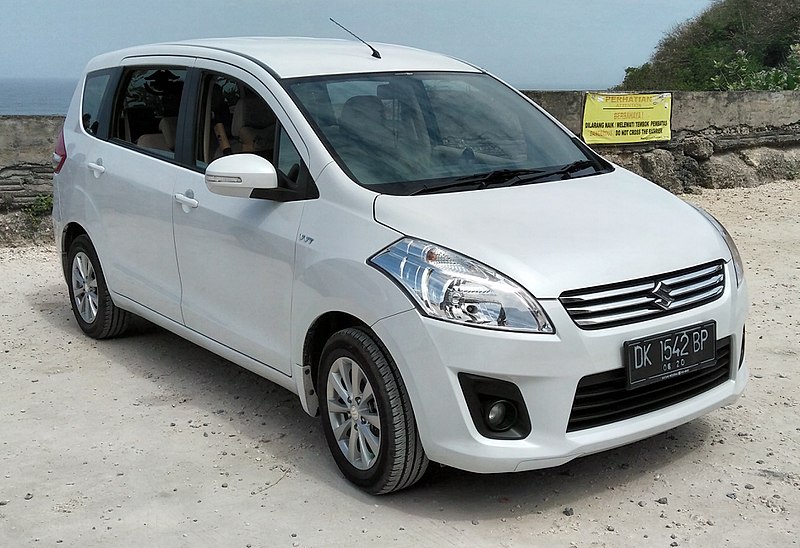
[239, 175]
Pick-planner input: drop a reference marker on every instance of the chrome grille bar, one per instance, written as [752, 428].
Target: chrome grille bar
[643, 299]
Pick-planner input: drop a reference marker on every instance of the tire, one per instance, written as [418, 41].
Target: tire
[370, 429]
[91, 302]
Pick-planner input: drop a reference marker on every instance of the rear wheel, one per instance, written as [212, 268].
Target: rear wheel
[366, 414]
[97, 315]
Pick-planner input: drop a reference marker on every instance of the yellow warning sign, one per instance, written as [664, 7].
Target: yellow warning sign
[625, 118]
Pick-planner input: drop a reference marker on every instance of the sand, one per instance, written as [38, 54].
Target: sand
[150, 440]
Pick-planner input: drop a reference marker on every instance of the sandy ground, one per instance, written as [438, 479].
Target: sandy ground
[149, 440]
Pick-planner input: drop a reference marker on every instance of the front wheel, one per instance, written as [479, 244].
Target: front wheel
[366, 414]
[91, 302]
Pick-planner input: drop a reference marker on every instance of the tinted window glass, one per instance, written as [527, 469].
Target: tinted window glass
[234, 119]
[399, 133]
[147, 113]
[93, 92]
[289, 164]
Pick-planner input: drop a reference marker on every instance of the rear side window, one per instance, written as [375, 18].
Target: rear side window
[146, 113]
[93, 92]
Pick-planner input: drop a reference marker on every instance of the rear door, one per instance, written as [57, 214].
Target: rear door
[132, 174]
[236, 255]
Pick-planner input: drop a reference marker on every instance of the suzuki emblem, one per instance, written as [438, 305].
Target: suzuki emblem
[663, 298]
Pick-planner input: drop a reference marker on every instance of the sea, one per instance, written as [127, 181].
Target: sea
[35, 95]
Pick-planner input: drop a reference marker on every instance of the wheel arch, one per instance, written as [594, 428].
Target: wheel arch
[68, 235]
[316, 336]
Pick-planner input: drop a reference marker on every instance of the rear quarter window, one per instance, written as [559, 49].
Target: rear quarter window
[94, 91]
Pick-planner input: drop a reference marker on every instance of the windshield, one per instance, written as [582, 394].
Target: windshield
[411, 132]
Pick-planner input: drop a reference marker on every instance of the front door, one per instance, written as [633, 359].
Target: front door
[236, 255]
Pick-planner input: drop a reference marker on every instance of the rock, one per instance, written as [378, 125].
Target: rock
[749, 486]
[662, 500]
[727, 171]
[687, 171]
[29, 496]
[628, 161]
[660, 167]
[692, 189]
[772, 164]
[698, 148]
[568, 511]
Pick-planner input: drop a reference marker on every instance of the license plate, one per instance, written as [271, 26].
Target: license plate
[667, 355]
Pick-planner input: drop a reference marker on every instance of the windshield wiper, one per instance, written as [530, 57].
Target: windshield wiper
[479, 181]
[565, 172]
[506, 177]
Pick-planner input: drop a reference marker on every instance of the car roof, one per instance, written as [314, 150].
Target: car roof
[295, 57]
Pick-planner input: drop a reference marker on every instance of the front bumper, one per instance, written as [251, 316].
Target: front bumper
[546, 369]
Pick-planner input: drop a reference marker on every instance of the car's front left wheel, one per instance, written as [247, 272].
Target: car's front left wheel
[367, 415]
[96, 313]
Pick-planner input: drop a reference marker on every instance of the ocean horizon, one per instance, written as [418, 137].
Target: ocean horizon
[35, 96]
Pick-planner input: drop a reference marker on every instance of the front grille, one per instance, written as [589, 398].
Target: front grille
[646, 298]
[602, 398]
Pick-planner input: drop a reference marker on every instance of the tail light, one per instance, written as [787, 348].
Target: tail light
[60, 154]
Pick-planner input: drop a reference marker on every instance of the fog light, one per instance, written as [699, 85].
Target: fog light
[501, 415]
[496, 407]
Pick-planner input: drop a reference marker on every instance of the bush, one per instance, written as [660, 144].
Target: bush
[706, 53]
[41, 207]
[742, 73]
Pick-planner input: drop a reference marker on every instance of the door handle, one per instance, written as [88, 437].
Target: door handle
[97, 168]
[186, 202]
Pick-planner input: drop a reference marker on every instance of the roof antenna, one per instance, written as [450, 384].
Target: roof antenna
[374, 51]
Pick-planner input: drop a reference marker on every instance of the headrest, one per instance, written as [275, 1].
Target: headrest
[361, 111]
[250, 111]
[168, 126]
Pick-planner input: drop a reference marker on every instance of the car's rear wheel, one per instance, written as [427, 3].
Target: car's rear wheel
[94, 310]
[367, 415]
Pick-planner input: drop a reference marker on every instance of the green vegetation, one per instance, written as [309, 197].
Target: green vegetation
[733, 45]
[41, 207]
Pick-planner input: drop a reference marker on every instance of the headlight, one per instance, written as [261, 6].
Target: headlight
[738, 266]
[451, 287]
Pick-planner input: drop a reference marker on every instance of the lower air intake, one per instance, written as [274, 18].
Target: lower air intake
[603, 399]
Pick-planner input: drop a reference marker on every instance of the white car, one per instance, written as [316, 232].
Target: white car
[423, 255]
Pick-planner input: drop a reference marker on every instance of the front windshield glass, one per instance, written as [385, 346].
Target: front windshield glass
[407, 132]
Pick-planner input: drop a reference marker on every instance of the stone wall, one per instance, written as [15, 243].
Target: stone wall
[719, 139]
[26, 151]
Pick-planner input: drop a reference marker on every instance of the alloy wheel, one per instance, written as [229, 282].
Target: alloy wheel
[353, 413]
[84, 287]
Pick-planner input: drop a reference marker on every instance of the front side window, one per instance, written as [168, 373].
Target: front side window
[146, 115]
[234, 119]
[406, 132]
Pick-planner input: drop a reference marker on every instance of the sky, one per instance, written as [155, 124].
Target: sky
[532, 44]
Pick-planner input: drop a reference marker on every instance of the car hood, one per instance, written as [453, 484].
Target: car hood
[561, 235]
